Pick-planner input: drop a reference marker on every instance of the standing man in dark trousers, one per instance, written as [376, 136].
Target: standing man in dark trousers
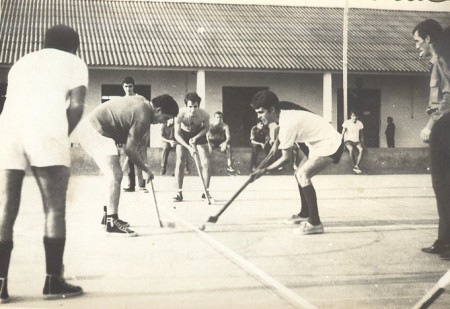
[431, 41]
[45, 101]
[298, 125]
[128, 86]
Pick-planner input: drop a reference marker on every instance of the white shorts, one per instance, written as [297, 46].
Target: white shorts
[21, 147]
[95, 144]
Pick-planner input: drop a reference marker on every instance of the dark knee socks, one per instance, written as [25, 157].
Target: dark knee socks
[6, 247]
[311, 200]
[304, 213]
[54, 251]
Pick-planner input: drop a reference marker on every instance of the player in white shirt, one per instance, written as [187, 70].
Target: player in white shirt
[298, 125]
[45, 101]
[352, 134]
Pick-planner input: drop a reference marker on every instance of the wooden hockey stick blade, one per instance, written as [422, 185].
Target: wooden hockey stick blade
[434, 293]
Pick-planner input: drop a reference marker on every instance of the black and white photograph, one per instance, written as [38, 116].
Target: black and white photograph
[225, 154]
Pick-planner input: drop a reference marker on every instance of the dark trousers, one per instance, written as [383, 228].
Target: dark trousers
[440, 173]
[166, 148]
[131, 175]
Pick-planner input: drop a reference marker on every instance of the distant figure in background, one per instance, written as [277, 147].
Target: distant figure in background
[390, 132]
[219, 137]
[168, 143]
[352, 134]
[128, 87]
[259, 138]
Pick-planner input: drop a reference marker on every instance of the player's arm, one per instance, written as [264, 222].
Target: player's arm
[75, 110]
[203, 131]
[227, 134]
[344, 130]
[178, 137]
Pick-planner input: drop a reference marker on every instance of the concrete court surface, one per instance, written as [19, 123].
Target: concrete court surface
[369, 256]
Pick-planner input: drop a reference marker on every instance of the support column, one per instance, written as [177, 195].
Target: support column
[327, 104]
[201, 87]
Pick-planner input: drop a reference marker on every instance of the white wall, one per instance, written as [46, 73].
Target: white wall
[402, 97]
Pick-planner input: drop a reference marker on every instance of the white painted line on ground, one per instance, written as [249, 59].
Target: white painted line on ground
[280, 289]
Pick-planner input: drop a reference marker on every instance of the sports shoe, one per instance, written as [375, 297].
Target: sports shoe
[129, 189]
[230, 169]
[124, 223]
[178, 197]
[210, 197]
[295, 219]
[357, 170]
[4, 296]
[115, 228]
[307, 228]
[163, 170]
[143, 190]
[56, 287]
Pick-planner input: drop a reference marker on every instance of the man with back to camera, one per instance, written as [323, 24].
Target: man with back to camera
[44, 103]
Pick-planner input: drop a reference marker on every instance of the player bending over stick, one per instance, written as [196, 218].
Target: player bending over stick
[298, 125]
[125, 121]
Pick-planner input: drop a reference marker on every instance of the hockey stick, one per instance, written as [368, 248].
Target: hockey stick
[197, 165]
[434, 293]
[170, 224]
[263, 164]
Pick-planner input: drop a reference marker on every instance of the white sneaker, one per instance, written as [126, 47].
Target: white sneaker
[357, 170]
[295, 219]
[307, 228]
[143, 190]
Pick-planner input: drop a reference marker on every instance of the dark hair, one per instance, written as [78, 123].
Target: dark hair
[390, 119]
[265, 99]
[193, 97]
[167, 104]
[218, 113]
[442, 45]
[62, 37]
[428, 27]
[128, 80]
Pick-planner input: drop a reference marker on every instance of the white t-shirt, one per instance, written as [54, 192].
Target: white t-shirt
[300, 126]
[353, 128]
[36, 99]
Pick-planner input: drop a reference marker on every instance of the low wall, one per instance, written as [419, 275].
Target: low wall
[376, 161]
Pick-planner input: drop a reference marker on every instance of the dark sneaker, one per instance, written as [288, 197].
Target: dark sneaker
[210, 197]
[115, 228]
[56, 287]
[4, 296]
[124, 223]
[178, 197]
[129, 189]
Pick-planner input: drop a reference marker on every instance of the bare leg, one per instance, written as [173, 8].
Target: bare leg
[181, 153]
[350, 153]
[10, 191]
[112, 173]
[360, 154]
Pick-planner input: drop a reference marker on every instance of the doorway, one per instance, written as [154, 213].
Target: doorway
[238, 113]
[366, 102]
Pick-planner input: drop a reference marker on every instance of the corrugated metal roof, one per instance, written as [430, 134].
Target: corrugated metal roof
[217, 36]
